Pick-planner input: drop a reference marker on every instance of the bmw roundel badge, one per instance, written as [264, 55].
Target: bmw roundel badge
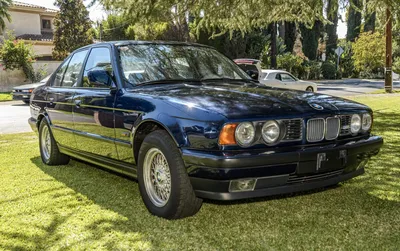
[316, 106]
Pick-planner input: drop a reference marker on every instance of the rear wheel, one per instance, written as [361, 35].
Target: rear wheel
[163, 181]
[48, 147]
[310, 89]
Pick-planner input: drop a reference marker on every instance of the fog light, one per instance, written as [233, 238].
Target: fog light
[242, 185]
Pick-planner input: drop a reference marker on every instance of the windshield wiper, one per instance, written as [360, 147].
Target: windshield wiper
[166, 81]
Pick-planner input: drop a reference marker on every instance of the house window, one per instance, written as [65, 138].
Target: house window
[46, 24]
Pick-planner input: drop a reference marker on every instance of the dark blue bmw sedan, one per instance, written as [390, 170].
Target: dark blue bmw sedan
[189, 124]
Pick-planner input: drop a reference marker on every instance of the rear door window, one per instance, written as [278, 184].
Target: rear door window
[60, 73]
[74, 68]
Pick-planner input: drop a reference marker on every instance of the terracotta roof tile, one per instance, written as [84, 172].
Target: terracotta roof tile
[45, 36]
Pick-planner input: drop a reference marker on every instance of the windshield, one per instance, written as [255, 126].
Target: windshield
[162, 62]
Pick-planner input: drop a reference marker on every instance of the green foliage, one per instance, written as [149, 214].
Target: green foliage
[152, 31]
[328, 70]
[4, 5]
[331, 29]
[228, 16]
[346, 60]
[115, 28]
[291, 63]
[369, 53]
[265, 55]
[396, 65]
[18, 55]
[310, 39]
[72, 27]
[312, 70]
[354, 20]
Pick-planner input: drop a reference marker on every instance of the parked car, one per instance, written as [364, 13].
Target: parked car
[274, 78]
[23, 92]
[188, 123]
[283, 79]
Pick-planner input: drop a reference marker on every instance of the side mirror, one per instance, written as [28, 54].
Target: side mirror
[100, 78]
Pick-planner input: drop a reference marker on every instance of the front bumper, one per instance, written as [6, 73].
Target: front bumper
[21, 96]
[278, 171]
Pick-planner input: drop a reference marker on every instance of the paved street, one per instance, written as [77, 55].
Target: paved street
[14, 114]
[351, 87]
[14, 117]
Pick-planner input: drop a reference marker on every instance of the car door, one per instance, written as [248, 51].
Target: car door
[288, 81]
[60, 99]
[93, 109]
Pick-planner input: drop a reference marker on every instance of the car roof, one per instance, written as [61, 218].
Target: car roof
[273, 71]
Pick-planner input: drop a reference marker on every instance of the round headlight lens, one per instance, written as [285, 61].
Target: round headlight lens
[271, 132]
[366, 122]
[355, 123]
[245, 134]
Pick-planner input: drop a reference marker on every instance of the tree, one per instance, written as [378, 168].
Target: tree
[4, 5]
[290, 35]
[354, 20]
[369, 52]
[115, 28]
[72, 25]
[331, 28]
[227, 16]
[311, 39]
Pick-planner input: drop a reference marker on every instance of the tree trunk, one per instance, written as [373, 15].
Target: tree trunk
[273, 46]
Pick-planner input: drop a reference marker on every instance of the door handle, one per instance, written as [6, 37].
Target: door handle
[78, 103]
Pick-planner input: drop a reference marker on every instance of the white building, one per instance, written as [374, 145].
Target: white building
[33, 24]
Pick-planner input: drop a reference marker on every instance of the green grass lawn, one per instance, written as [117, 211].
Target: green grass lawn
[80, 206]
[382, 91]
[5, 96]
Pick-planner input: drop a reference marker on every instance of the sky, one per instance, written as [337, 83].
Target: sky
[96, 13]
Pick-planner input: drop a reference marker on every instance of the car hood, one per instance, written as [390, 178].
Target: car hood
[29, 86]
[243, 100]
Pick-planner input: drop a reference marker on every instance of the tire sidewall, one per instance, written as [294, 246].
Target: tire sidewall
[169, 209]
[43, 124]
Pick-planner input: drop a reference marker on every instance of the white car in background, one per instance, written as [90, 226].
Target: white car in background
[283, 79]
[274, 78]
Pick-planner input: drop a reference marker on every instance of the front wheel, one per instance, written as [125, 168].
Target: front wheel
[163, 181]
[48, 147]
[310, 89]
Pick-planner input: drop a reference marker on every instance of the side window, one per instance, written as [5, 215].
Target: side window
[74, 68]
[60, 73]
[278, 77]
[287, 78]
[98, 69]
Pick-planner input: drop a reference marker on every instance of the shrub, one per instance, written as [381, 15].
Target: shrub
[18, 55]
[328, 70]
[369, 53]
[291, 63]
[313, 70]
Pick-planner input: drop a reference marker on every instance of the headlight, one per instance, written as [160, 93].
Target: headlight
[366, 122]
[245, 134]
[271, 132]
[355, 123]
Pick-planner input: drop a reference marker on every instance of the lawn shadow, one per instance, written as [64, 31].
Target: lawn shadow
[331, 205]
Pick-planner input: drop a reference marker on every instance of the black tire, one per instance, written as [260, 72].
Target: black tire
[309, 89]
[54, 156]
[26, 102]
[182, 201]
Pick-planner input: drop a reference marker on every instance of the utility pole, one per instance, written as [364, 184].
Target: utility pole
[388, 69]
[101, 31]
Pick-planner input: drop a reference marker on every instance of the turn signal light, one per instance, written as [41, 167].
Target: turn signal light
[227, 135]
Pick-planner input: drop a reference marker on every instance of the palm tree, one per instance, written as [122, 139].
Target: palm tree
[4, 5]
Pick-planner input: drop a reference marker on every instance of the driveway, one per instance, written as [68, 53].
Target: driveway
[14, 117]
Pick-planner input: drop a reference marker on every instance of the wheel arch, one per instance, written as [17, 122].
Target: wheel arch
[147, 126]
